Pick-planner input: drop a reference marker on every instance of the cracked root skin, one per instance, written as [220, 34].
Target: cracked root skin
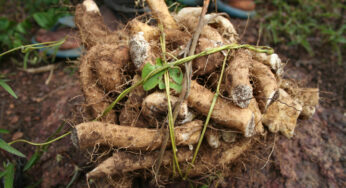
[237, 80]
[92, 133]
[282, 115]
[224, 112]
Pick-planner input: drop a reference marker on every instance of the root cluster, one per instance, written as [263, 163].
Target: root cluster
[252, 94]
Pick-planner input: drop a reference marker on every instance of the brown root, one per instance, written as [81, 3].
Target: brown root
[207, 64]
[131, 113]
[308, 98]
[160, 12]
[238, 84]
[282, 115]
[224, 112]
[253, 106]
[91, 26]
[211, 159]
[155, 106]
[110, 62]
[149, 32]
[92, 133]
[94, 96]
[265, 85]
[273, 61]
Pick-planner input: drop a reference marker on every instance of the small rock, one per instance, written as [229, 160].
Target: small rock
[17, 135]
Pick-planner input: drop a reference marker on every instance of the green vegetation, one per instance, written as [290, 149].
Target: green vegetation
[16, 27]
[305, 23]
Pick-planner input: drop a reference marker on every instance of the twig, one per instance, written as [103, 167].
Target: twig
[40, 69]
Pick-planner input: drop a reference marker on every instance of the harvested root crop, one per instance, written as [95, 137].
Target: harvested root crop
[225, 113]
[266, 86]
[237, 79]
[236, 88]
[282, 115]
[92, 133]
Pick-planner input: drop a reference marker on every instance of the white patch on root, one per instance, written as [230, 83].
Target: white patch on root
[229, 137]
[249, 131]
[273, 97]
[91, 6]
[241, 95]
[213, 140]
[139, 49]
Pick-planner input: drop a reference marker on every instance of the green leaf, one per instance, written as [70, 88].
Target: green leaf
[153, 81]
[176, 74]
[4, 131]
[4, 24]
[23, 27]
[2, 174]
[148, 67]
[175, 86]
[45, 19]
[9, 176]
[159, 62]
[8, 148]
[7, 88]
[32, 160]
[162, 84]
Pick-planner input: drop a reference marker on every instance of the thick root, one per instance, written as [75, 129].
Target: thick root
[91, 26]
[109, 63]
[210, 159]
[160, 12]
[238, 84]
[282, 115]
[149, 32]
[308, 98]
[94, 96]
[273, 61]
[253, 106]
[265, 85]
[224, 113]
[154, 108]
[207, 64]
[92, 133]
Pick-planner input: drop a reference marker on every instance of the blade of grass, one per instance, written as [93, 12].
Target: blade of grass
[5, 146]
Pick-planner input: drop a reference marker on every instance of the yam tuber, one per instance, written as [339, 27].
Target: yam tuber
[265, 85]
[237, 83]
[282, 115]
[155, 106]
[224, 113]
[93, 133]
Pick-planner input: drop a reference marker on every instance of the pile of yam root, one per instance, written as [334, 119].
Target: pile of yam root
[253, 99]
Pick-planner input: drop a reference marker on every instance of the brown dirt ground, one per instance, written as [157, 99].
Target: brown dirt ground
[314, 157]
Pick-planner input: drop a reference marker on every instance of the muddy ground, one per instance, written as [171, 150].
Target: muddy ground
[314, 157]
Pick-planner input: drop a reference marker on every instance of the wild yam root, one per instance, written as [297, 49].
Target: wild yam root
[252, 94]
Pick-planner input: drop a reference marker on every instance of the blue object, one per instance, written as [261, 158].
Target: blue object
[72, 53]
[221, 7]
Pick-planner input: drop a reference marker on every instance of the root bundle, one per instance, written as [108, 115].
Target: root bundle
[251, 97]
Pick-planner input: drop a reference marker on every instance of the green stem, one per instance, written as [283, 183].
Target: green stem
[208, 117]
[260, 49]
[40, 144]
[25, 48]
[170, 113]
